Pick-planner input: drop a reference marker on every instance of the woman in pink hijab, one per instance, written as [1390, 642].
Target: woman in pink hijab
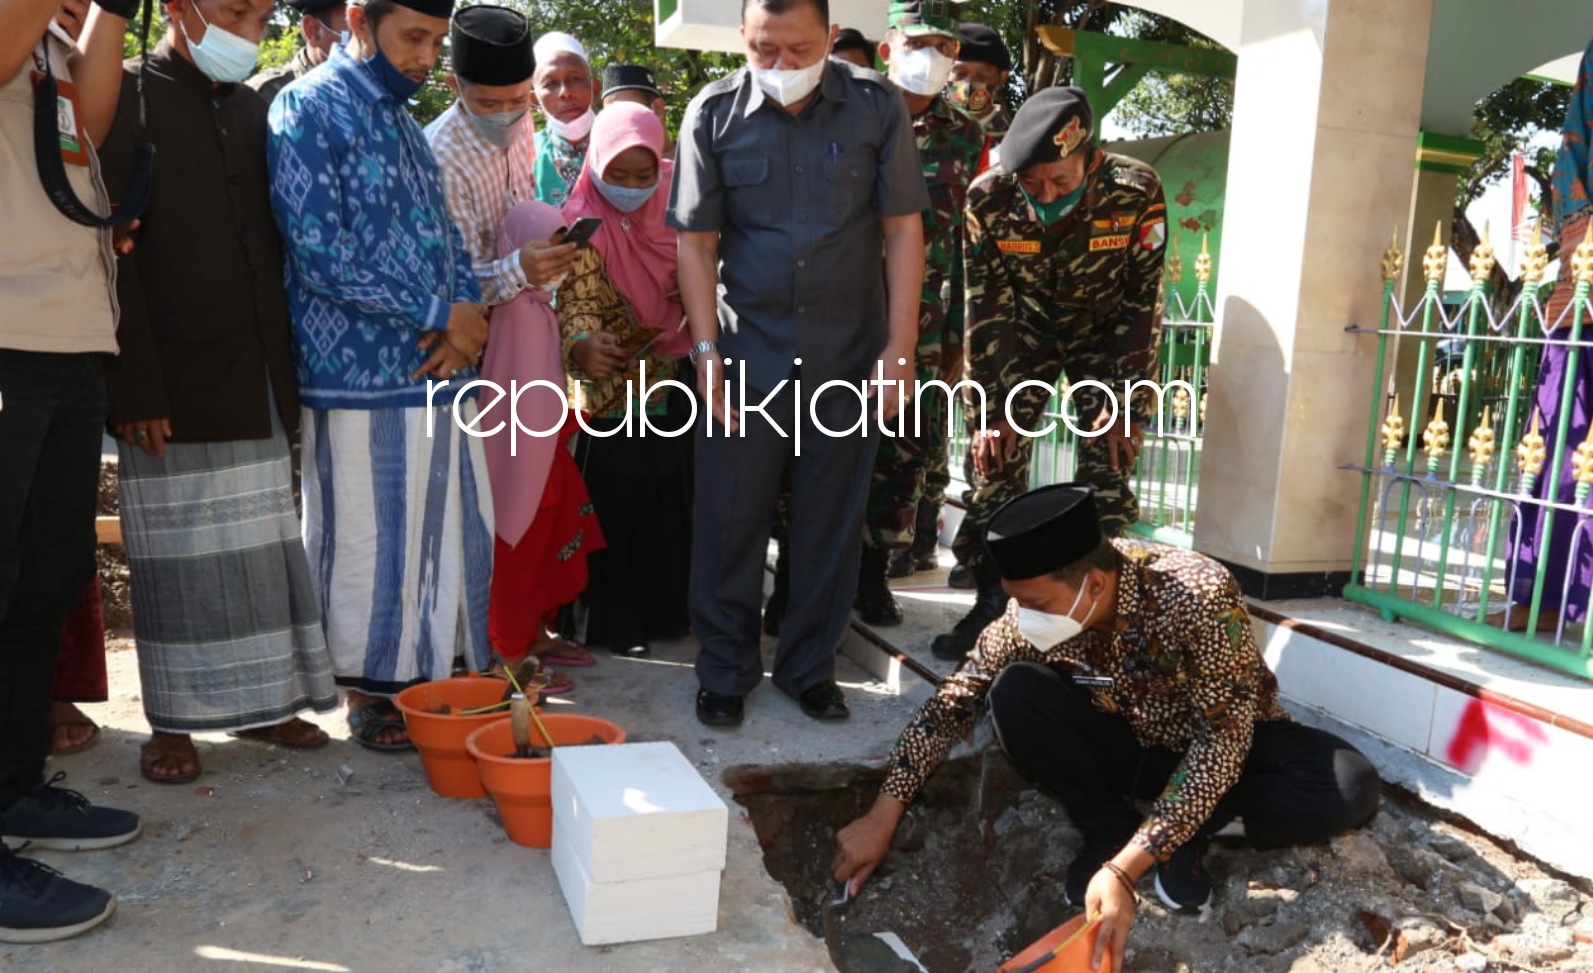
[625, 281]
[544, 522]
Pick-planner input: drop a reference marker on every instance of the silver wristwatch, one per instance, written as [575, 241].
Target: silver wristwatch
[701, 348]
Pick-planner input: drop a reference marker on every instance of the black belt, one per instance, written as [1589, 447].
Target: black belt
[52, 170]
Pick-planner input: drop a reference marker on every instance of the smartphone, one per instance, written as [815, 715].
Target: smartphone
[582, 231]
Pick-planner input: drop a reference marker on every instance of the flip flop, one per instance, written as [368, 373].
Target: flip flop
[568, 655]
[561, 684]
[367, 723]
[149, 755]
[84, 744]
[272, 734]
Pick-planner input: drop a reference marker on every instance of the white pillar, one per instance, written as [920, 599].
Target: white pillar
[1327, 108]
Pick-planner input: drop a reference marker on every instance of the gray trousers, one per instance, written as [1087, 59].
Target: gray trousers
[737, 480]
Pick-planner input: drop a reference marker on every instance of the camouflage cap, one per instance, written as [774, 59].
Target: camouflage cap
[919, 17]
[1052, 125]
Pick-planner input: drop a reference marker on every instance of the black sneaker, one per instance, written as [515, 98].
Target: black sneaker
[63, 820]
[1094, 853]
[1182, 883]
[38, 905]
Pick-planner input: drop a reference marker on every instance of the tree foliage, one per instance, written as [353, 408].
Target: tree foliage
[1507, 120]
[1172, 104]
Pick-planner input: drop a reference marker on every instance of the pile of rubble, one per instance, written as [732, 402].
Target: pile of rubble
[977, 873]
[1409, 893]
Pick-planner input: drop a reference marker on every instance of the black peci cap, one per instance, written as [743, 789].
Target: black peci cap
[491, 46]
[629, 77]
[1043, 530]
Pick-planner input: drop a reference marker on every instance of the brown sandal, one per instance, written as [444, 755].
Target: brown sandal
[160, 749]
[295, 734]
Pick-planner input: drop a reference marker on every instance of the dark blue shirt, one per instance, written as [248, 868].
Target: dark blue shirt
[797, 201]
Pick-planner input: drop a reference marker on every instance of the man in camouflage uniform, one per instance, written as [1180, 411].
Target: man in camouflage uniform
[322, 22]
[920, 49]
[978, 83]
[1063, 261]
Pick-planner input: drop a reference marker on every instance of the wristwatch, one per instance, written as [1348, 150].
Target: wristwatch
[701, 348]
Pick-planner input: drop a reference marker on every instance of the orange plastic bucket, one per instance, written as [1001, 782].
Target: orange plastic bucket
[440, 737]
[1074, 943]
[522, 787]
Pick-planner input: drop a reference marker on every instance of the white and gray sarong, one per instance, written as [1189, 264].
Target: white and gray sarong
[225, 613]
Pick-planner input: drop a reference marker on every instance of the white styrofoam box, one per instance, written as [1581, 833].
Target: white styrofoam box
[637, 810]
[639, 909]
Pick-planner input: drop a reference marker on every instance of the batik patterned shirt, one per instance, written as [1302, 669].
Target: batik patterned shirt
[373, 259]
[1185, 673]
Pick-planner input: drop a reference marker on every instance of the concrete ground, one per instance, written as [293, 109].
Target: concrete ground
[343, 860]
[271, 862]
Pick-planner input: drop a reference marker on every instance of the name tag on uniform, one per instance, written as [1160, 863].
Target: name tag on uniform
[70, 135]
[1094, 682]
[1114, 241]
[1018, 246]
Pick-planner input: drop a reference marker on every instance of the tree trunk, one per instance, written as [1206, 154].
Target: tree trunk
[1463, 240]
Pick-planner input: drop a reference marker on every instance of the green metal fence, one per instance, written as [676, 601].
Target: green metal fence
[1167, 475]
[1463, 530]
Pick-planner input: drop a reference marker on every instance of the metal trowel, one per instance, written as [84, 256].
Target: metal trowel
[861, 952]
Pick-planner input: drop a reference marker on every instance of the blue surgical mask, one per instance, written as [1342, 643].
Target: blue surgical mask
[624, 198]
[398, 84]
[222, 56]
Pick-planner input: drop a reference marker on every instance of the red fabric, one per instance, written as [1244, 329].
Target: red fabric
[1565, 286]
[547, 569]
[80, 671]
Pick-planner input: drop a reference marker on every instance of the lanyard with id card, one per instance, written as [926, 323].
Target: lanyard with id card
[69, 132]
[58, 141]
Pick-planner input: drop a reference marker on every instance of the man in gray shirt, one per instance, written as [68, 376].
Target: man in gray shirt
[794, 177]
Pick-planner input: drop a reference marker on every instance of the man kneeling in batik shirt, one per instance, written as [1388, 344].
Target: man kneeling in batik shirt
[1120, 670]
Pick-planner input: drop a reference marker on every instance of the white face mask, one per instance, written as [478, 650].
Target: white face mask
[1044, 630]
[790, 87]
[573, 131]
[924, 71]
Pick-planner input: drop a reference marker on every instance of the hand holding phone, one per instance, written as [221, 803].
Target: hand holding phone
[581, 232]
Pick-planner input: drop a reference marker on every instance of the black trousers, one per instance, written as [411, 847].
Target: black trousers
[52, 418]
[737, 480]
[1299, 786]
